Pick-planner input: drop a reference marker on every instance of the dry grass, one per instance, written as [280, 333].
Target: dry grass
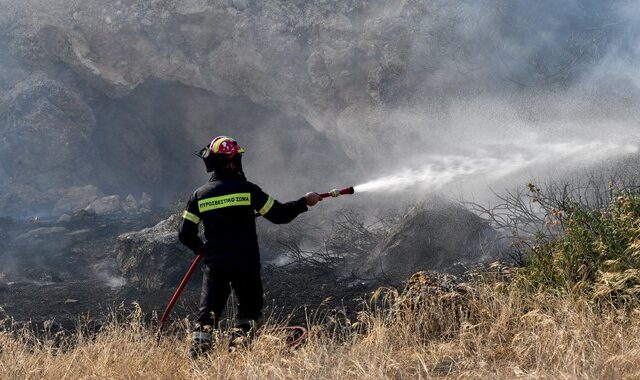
[492, 333]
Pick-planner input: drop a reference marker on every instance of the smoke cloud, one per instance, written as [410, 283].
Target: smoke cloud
[319, 93]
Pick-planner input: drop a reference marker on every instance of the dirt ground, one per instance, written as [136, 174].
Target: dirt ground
[51, 280]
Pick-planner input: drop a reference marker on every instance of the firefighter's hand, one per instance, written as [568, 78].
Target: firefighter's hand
[312, 198]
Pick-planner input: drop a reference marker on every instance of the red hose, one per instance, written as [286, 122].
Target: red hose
[178, 291]
[303, 335]
[295, 343]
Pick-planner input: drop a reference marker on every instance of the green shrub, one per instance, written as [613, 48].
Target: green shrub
[598, 256]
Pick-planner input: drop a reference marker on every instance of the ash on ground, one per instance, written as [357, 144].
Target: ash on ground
[89, 265]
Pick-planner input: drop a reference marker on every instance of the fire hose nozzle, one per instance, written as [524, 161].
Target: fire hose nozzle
[337, 192]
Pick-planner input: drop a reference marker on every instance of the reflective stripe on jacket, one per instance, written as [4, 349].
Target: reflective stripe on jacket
[227, 207]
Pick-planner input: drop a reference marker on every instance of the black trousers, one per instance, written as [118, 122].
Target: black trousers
[216, 288]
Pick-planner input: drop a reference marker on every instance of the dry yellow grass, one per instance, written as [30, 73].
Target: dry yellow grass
[492, 334]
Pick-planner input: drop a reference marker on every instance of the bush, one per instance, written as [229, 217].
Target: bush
[530, 215]
[598, 255]
[345, 245]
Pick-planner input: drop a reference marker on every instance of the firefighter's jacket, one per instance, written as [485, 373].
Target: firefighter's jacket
[227, 206]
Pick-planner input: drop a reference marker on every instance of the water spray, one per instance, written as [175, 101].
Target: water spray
[438, 171]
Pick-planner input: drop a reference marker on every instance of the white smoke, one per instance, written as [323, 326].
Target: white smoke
[106, 272]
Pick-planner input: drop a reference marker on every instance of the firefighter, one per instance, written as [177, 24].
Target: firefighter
[227, 206]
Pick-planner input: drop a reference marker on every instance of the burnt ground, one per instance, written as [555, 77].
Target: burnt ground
[61, 273]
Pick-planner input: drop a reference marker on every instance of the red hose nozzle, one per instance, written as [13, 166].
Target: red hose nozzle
[335, 192]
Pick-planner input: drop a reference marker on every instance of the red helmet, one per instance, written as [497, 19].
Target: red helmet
[225, 146]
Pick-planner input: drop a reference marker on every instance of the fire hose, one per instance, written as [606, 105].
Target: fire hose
[177, 293]
[196, 261]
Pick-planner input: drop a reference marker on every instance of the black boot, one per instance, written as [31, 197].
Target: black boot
[243, 333]
[201, 341]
